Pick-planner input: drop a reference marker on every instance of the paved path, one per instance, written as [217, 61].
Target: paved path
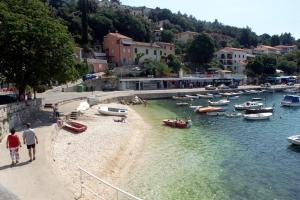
[35, 180]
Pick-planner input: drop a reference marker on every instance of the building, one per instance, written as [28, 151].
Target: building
[96, 65]
[148, 51]
[166, 48]
[78, 54]
[234, 59]
[118, 49]
[266, 50]
[285, 49]
[184, 37]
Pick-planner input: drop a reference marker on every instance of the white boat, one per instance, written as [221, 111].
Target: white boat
[112, 111]
[205, 96]
[192, 97]
[217, 95]
[215, 113]
[233, 115]
[291, 91]
[248, 105]
[195, 108]
[234, 97]
[257, 99]
[228, 94]
[182, 104]
[258, 116]
[222, 102]
[83, 106]
[291, 101]
[295, 139]
[180, 98]
[252, 92]
[239, 93]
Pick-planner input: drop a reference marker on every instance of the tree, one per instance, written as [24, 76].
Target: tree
[156, 68]
[247, 38]
[174, 63]
[35, 49]
[275, 40]
[118, 2]
[289, 67]
[167, 36]
[298, 43]
[287, 39]
[201, 50]
[261, 67]
[83, 7]
[264, 39]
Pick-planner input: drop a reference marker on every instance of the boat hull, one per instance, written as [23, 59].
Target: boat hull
[176, 123]
[113, 111]
[260, 116]
[294, 139]
[75, 127]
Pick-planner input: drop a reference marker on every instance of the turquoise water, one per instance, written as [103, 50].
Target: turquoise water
[219, 157]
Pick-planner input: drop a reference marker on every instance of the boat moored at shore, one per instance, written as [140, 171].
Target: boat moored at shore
[291, 101]
[295, 139]
[178, 123]
[258, 116]
[248, 105]
[112, 111]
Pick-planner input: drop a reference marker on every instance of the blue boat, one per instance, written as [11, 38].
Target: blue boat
[291, 101]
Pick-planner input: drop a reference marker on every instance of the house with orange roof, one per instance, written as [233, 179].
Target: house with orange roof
[184, 37]
[166, 48]
[146, 51]
[286, 49]
[266, 50]
[118, 49]
[234, 59]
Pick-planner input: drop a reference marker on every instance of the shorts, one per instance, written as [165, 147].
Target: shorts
[32, 146]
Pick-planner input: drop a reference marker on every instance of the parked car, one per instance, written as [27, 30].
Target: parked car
[210, 87]
[223, 87]
[89, 77]
[290, 83]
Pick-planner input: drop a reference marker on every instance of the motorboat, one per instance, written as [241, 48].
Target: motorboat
[182, 104]
[291, 101]
[195, 108]
[178, 123]
[260, 110]
[248, 105]
[252, 91]
[233, 97]
[192, 96]
[205, 96]
[74, 127]
[113, 111]
[180, 98]
[239, 93]
[209, 109]
[233, 115]
[258, 116]
[215, 113]
[83, 106]
[295, 139]
[228, 94]
[222, 102]
[257, 99]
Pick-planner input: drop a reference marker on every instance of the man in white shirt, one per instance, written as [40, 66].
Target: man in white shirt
[30, 139]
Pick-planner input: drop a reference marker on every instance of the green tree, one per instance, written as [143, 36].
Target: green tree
[167, 36]
[174, 63]
[156, 68]
[275, 40]
[287, 39]
[201, 50]
[264, 39]
[247, 38]
[83, 6]
[298, 43]
[289, 67]
[35, 49]
[261, 67]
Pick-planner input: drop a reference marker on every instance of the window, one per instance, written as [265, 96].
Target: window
[161, 53]
[165, 54]
[128, 50]
[165, 47]
[171, 48]
[235, 55]
[112, 51]
[147, 51]
[154, 52]
[239, 56]
[124, 50]
[136, 50]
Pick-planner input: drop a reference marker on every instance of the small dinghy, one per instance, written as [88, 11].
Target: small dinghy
[112, 111]
[260, 110]
[217, 95]
[258, 116]
[182, 104]
[205, 96]
[257, 99]
[233, 115]
[295, 139]
[248, 105]
[178, 123]
[191, 96]
[216, 113]
[222, 102]
[75, 127]
[208, 109]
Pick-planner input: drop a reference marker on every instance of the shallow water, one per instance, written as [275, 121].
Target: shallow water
[219, 157]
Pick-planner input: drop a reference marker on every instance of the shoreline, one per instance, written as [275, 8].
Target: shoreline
[107, 149]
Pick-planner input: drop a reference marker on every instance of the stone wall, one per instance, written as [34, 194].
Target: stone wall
[16, 114]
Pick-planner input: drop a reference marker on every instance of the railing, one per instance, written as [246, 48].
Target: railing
[108, 185]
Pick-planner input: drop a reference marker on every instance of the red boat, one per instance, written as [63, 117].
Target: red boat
[75, 127]
[178, 123]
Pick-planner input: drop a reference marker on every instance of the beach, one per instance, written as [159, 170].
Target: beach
[107, 149]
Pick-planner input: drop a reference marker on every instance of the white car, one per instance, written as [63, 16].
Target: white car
[210, 87]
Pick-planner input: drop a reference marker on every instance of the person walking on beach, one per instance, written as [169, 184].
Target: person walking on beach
[13, 143]
[30, 139]
[55, 111]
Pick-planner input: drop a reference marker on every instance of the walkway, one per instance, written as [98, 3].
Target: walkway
[35, 180]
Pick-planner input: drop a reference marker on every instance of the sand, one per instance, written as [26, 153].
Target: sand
[107, 149]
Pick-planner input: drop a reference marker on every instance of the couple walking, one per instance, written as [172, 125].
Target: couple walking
[13, 144]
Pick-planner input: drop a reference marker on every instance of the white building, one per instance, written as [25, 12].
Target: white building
[149, 51]
[233, 59]
[266, 50]
[285, 49]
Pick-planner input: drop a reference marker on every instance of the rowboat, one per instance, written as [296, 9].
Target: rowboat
[205, 96]
[75, 127]
[178, 123]
[295, 139]
[222, 102]
[112, 111]
[258, 116]
[209, 109]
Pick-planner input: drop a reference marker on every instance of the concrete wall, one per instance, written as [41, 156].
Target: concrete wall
[16, 114]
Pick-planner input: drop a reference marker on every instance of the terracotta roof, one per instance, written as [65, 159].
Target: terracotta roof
[146, 44]
[267, 47]
[165, 43]
[118, 35]
[232, 49]
[285, 46]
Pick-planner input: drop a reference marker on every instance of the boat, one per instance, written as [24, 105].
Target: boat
[291, 101]
[233, 115]
[233, 97]
[216, 113]
[192, 96]
[228, 94]
[252, 91]
[291, 91]
[209, 109]
[75, 127]
[178, 123]
[248, 105]
[258, 116]
[182, 104]
[217, 95]
[180, 98]
[239, 93]
[83, 106]
[295, 139]
[205, 96]
[260, 110]
[112, 111]
[257, 99]
[195, 107]
[222, 102]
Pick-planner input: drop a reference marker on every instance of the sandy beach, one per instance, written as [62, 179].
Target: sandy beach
[107, 149]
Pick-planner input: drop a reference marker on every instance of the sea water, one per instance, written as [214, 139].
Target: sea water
[219, 157]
